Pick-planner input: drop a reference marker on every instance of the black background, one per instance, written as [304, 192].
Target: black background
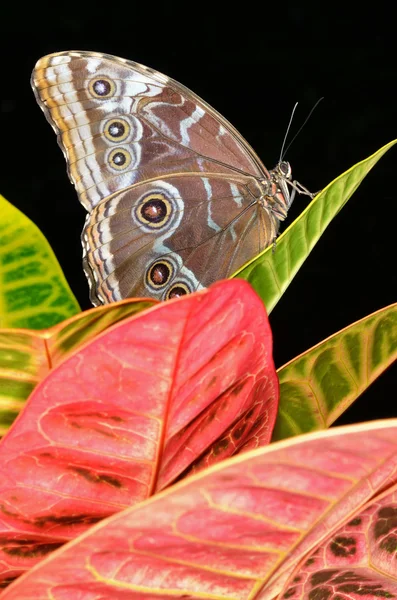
[252, 67]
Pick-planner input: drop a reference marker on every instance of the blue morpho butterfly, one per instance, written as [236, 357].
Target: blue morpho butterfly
[176, 198]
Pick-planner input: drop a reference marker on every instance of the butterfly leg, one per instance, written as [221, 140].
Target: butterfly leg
[298, 187]
[292, 197]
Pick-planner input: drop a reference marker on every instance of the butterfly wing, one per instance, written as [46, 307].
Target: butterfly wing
[172, 236]
[135, 138]
[119, 123]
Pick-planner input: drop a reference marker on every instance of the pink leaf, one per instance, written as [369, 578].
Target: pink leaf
[357, 562]
[150, 398]
[225, 532]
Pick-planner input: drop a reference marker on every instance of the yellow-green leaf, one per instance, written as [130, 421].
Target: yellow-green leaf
[34, 293]
[320, 384]
[272, 271]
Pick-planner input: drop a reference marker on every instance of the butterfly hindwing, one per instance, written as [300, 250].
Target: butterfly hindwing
[182, 229]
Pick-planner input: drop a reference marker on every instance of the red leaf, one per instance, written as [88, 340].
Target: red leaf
[229, 532]
[171, 389]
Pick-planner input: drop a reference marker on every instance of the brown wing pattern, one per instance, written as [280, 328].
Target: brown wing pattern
[158, 125]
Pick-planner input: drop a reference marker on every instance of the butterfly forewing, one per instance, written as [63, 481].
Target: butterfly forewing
[172, 189]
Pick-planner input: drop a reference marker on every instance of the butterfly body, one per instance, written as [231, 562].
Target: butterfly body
[176, 198]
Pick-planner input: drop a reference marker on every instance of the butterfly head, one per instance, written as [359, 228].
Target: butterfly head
[284, 170]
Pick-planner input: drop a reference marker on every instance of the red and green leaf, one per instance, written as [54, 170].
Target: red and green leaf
[237, 530]
[27, 356]
[320, 384]
[171, 390]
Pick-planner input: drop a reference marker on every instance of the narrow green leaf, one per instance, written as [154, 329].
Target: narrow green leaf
[320, 384]
[34, 293]
[271, 272]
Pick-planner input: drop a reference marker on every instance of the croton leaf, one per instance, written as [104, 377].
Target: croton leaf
[273, 270]
[357, 561]
[320, 384]
[170, 390]
[236, 530]
[33, 290]
[26, 356]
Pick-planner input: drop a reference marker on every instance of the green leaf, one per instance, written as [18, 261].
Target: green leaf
[320, 384]
[271, 272]
[34, 293]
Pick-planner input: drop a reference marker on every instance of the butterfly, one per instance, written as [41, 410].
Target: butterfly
[176, 198]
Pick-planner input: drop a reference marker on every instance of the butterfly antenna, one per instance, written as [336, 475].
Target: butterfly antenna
[300, 128]
[287, 132]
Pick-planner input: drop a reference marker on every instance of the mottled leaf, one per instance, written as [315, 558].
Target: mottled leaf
[26, 357]
[34, 293]
[171, 390]
[223, 533]
[320, 384]
[272, 271]
[357, 562]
